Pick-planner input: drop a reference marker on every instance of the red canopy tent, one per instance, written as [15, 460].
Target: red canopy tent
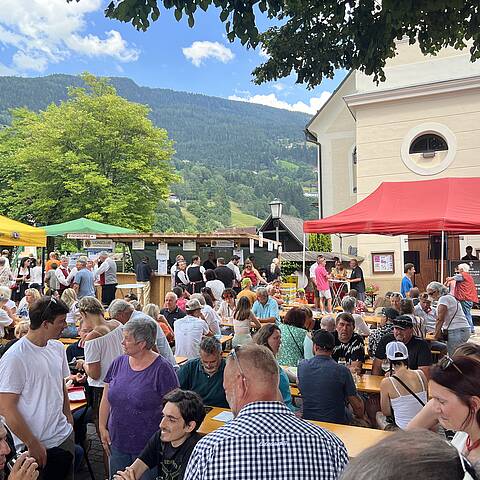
[445, 205]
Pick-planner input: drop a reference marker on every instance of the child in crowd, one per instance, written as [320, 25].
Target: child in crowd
[300, 298]
[182, 296]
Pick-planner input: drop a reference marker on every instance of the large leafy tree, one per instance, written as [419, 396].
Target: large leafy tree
[95, 155]
[313, 38]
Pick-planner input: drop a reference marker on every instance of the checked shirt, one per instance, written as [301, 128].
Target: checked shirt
[266, 441]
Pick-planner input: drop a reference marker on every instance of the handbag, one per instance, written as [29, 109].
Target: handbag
[444, 336]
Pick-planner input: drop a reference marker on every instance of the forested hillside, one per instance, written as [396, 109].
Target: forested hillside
[233, 156]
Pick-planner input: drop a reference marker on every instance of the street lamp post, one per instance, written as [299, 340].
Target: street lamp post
[276, 207]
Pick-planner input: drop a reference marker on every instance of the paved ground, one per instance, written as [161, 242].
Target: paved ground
[96, 458]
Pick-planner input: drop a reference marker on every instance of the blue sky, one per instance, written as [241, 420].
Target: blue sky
[39, 37]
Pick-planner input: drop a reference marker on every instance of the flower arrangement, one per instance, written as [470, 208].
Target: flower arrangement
[372, 288]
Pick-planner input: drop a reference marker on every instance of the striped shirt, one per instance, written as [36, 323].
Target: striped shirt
[266, 441]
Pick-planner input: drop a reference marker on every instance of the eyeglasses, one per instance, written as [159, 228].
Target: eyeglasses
[447, 362]
[233, 354]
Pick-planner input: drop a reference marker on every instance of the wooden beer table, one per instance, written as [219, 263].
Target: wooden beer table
[356, 439]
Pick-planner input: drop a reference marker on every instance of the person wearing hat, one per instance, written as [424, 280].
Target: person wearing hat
[384, 328]
[190, 330]
[327, 386]
[246, 291]
[404, 393]
[419, 354]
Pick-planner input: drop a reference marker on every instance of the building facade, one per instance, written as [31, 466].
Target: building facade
[423, 122]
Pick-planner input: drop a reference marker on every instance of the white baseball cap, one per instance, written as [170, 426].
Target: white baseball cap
[396, 351]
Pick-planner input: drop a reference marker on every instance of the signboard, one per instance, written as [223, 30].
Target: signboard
[239, 253]
[383, 262]
[260, 239]
[474, 270]
[138, 244]
[99, 244]
[162, 248]
[81, 236]
[189, 246]
[252, 245]
[223, 244]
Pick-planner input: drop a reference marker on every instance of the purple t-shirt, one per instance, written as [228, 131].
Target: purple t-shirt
[136, 401]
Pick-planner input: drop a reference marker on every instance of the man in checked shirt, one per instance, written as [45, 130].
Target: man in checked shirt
[265, 440]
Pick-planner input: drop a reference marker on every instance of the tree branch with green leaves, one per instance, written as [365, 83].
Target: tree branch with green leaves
[314, 38]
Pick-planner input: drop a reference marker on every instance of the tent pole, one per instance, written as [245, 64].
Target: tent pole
[442, 255]
[303, 253]
[341, 246]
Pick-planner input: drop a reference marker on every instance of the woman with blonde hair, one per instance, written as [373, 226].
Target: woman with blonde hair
[31, 296]
[102, 345]
[153, 310]
[69, 296]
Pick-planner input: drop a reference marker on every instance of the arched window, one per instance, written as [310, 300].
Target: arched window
[428, 143]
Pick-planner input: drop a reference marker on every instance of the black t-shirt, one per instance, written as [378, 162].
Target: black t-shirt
[171, 462]
[357, 272]
[226, 275]
[74, 351]
[172, 316]
[419, 354]
[209, 265]
[352, 351]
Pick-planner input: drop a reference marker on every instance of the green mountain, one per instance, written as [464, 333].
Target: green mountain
[234, 157]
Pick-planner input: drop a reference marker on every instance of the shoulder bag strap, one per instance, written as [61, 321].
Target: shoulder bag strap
[293, 338]
[454, 315]
[408, 389]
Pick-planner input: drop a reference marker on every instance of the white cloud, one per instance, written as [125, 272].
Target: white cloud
[278, 87]
[200, 51]
[44, 32]
[271, 100]
[113, 46]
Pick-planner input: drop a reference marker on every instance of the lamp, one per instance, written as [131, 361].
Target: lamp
[276, 211]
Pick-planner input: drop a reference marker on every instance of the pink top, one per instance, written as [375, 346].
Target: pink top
[321, 277]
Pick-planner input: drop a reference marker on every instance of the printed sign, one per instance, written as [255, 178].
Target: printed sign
[138, 244]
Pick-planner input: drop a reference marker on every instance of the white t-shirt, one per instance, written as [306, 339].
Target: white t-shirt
[36, 374]
[212, 319]
[188, 335]
[312, 270]
[360, 326]
[105, 350]
[5, 321]
[71, 315]
[454, 314]
[217, 287]
[36, 275]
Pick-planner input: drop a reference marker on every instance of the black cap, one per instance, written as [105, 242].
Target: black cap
[403, 321]
[323, 339]
[390, 313]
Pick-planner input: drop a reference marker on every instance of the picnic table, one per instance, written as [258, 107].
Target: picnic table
[69, 341]
[180, 360]
[356, 439]
[365, 384]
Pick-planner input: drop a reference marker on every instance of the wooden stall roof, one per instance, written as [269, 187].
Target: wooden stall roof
[170, 238]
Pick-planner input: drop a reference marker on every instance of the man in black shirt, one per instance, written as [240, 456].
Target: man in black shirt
[224, 274]
[348, 345]
[356, 280]
[143, 273]
[170, 448]
[171, 311]
[419, 354]
[210, 263]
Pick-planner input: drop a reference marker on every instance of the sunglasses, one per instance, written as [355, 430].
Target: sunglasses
[447, 362]
[233, 354]
[52, 300]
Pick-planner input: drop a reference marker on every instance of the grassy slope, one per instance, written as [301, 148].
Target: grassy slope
[240, 219]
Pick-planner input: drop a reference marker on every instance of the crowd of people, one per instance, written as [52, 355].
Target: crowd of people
[147, 405]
